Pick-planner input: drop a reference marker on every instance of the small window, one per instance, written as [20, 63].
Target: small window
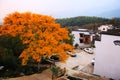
[103, 28]
[81, 40]
[81, 35]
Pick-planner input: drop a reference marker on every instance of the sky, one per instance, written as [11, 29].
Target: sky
[58, 8]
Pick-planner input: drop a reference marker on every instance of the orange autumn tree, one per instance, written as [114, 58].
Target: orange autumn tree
[40, 33]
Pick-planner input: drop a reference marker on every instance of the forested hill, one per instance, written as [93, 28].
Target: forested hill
[80, 21]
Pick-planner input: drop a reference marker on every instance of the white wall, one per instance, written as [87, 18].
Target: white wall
[77, 37]
[107, 58]
[105, 27]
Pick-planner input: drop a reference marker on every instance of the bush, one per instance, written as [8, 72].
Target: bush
[76, 45]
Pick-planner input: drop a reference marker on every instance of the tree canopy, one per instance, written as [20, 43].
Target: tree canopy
[115, 22]
[40, 33]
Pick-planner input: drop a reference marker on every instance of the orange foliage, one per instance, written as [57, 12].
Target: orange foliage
[42, 35]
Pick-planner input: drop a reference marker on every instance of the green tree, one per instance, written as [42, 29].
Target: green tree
[80, 21]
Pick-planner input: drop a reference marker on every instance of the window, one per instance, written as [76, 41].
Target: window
[85, 39]
[81, 40]
[81, 35]
[103, 29]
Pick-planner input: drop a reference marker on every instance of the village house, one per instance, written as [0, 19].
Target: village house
[82, 37]
[105, 27]
[107, 57]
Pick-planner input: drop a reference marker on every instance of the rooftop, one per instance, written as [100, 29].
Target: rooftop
[115, 32]
[81, 30]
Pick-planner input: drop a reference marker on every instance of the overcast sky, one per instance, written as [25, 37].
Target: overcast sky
[58, 8]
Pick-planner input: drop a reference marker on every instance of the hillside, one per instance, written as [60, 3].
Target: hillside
[80, 21]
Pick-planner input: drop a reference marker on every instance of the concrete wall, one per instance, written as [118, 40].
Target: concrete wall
[107, 58]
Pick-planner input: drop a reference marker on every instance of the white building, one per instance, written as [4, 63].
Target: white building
[105, 27]
[107, 58]
[82, 37]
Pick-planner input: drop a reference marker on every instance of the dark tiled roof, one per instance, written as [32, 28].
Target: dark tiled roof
[115, 32]
[81, 30]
